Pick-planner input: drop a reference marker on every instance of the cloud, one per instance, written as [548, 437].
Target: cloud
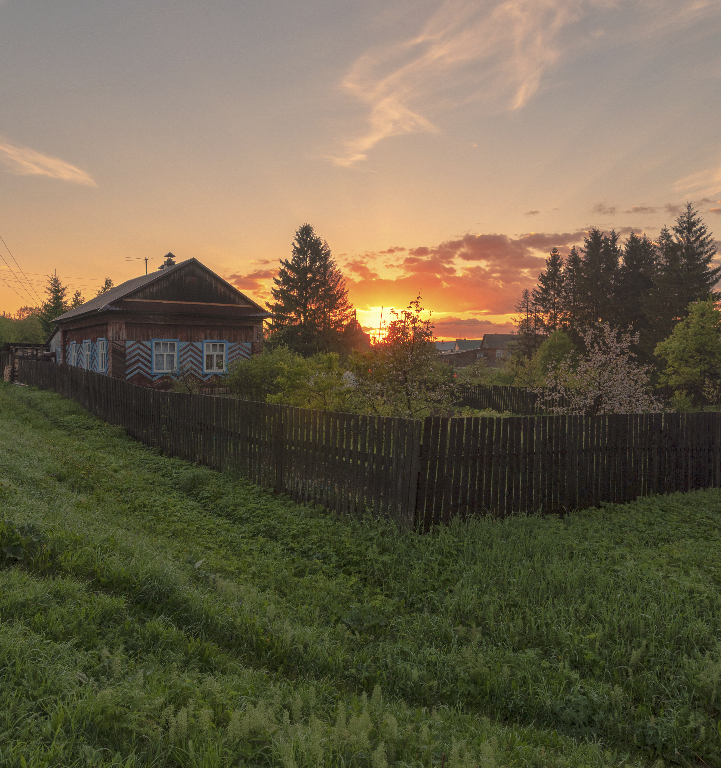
[531, 213]
[641, 209]
[631, 230]
[253, 281]
[361, 269]
[468, 327]
[499, 250]
[603, 210]
[714, 210]
[23, 161]
[475, 273]
[672, 209]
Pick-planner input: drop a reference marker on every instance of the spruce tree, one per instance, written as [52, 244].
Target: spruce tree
[666, 303]
[55, 305]
[598, 275]
[548, 297]
[697, 249]
[530, 329]
[633, 291]
[311, 307]
[570, 303]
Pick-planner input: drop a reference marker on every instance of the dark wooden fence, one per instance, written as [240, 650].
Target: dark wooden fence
[518, 400]
[494, 397]
[419, 473]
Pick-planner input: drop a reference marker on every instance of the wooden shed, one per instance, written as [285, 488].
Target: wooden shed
[181, 319]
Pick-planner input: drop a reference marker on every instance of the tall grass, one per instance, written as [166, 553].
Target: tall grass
[158, 613]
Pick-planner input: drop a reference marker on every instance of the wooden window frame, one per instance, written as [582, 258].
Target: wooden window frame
[102, 355]
[153, 366]
[225, 356]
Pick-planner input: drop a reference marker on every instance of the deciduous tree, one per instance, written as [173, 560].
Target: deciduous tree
[691, 355]
[606, 380]
[105, 287]
[402, 374]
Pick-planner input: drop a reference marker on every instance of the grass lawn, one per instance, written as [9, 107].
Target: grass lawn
[155, 613]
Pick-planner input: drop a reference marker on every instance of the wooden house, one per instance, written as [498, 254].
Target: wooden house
[181, 319]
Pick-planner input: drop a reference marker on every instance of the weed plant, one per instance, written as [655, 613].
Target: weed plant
[157, 613]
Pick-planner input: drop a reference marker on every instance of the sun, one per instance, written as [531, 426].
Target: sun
[375, 320]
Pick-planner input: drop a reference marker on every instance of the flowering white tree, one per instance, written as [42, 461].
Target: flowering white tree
[607, 380]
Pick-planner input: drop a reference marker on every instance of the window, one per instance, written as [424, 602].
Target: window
[73, 353]
[214, 356]
[101, 356]
[499, 353]
[87, 345]
[165, 356]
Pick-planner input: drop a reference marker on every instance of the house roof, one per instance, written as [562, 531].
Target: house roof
[462, 344]
[498, 340]
[107, 301]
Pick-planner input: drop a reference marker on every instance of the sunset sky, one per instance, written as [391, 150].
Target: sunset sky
[440, 148]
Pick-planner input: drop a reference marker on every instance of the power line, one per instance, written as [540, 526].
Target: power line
[10, 287]
[17, 280]
[21, 270]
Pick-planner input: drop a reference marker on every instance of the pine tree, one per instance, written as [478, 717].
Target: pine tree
[77, 299]
[548, 297]
[55, 305]
[311, 307]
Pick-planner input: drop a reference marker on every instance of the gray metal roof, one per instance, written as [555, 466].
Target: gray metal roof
[101, 302]
[498, 340]
[462, 344]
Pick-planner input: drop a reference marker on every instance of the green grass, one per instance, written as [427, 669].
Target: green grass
[157, 613]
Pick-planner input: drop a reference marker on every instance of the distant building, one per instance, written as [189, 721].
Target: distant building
[463, 344]
[497, 347]
[494, 348]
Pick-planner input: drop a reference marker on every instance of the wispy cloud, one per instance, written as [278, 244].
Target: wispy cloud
[23, 161]
[492, 51]
[467, 51]
[604, 210]
[706, 182]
